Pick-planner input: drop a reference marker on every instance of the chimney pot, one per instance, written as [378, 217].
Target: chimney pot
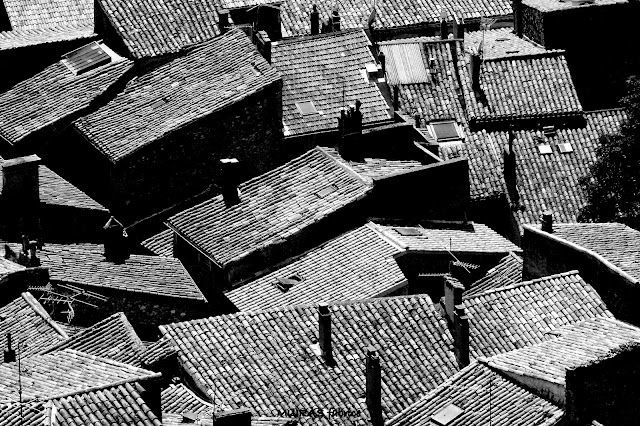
[315, 21]
[382, 59]
[324, 332]
[9, 353]
[374, 386]
[264, 45]
[229, 181]
[475, 71]
[417, 120]
[25, 244]
[335, 19]
[453, 290]
[517, 17]
[461, 335]
[444, 30]
[547, 221]
[116, 247]
[223, 20]
[458, 27]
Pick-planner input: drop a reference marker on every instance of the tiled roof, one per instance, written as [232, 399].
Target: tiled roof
[70, 329]
[377, 168]
[32, 15]
[389, 14]
[160, 244]
[51, 95]
[523, 87]
[22, 38]
[485, 397]
[180, 399]
[158, 28]
[30, 326]
[326, 69]
[545, 181]
[432, 93]
[273, 207]
[54, 190]
[442, 237]
[205, 79]
[155, 275]
[514, 316]
[616, 242]
[507, 272]
[7, 266]
[500, 43]
[357, 265]
[266, 360]
[157, 351]
[111, 338]
[117, 405]
[63, 373]
[568, 348]
[553, 5]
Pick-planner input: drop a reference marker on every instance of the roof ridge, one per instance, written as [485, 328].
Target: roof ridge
[344, 165]
[312, 37]
[525, 283]
[39, 309]
[388, 238]
[531, 55]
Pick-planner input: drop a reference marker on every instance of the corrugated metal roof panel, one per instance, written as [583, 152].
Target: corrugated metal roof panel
[405, 63]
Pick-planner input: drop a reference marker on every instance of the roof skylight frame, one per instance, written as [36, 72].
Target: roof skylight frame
[409, 231]
[86, 58]
[545, 149]
[306, 107]
[326, 191]
[565, 148]
[454, 128]
[446, 415]
[285, 284]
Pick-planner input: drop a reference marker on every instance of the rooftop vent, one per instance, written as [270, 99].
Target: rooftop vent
[446, 131]
[565, 147]
[284, 284]
[545, 149]
[326, 191]
[86, 58]
[408, 232]
[306, 107]
[447, 415]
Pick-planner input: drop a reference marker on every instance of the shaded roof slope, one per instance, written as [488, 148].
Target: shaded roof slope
[55, 190]
[357, 265]
[505, 273]
[327, 70]
[500, 43]
[160, 244]
[273, 206]
[266, 360]
[617, 243]
[16, 39]
[53, 94]
[158, 28]
[545, 181]
[117, 405]
[205, 79]
[30, 326]
[112, 338]
[377, 168]
[485, 397]
[514, 316]
[65, 372]
[35, 14]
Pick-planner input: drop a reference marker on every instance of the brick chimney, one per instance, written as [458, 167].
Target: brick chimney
[229, 177]
[223, 20]
[374, 386]
[444, 29]
[263, 43]
[324, 332]
[315, 20]
[9, 353]
[116, 245]
[547, 221]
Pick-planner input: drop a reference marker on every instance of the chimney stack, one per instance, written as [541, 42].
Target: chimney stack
[461, 335]
[374, 386]
[315, 21]
[239, 417]
[458, 27]
[396, 98]
[444, 29]
[229, 168]
[547, 221]
[382, 59]
[417, 120]
[510, 176]
[116, 248]
[475, 72]
[324, 332]
[264, 45]
[335, 20]
[350, 129]
[453, 290]
[223, 20]
[9, 353]
[517, 17]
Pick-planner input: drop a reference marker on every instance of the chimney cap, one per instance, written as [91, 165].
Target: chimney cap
[372, 352]
[323, 308]
[20, 160]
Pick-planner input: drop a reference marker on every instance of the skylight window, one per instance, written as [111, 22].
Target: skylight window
[565, 148]
[285, 284]
[86, 58]
[326, 191]
[306, 107]
[446, 131]
[408, 232]
[545, 149]
[447, 415]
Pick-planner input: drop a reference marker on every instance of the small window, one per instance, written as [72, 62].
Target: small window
[565, 147]
[306, 107]
[447, 415]
[446, 131]
[545, 149]
[86, 58]
[408, 232]
[284, 284]
[326, 191]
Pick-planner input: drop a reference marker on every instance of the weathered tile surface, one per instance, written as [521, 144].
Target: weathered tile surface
[505, 273]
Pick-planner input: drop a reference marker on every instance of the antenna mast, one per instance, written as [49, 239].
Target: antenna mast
[20, 384]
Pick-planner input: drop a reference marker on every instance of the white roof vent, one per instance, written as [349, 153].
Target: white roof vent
[565, 148]
[545, 149]
[447, 415]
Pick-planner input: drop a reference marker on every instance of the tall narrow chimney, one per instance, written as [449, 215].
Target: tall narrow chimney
[461, 335]
[335, 19]
[510, 176]
[223, 20]
[264, 45]
[475, 71]
[383, 63]
[9, 353]
[396, 98]
[116, 247]
[315, 21]
[444, 29]
[458, 27]
[453, 290]
[324, 332]
[374, 386]
[517, 17]
[547, 221]
[417, 120]
[229, 181]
